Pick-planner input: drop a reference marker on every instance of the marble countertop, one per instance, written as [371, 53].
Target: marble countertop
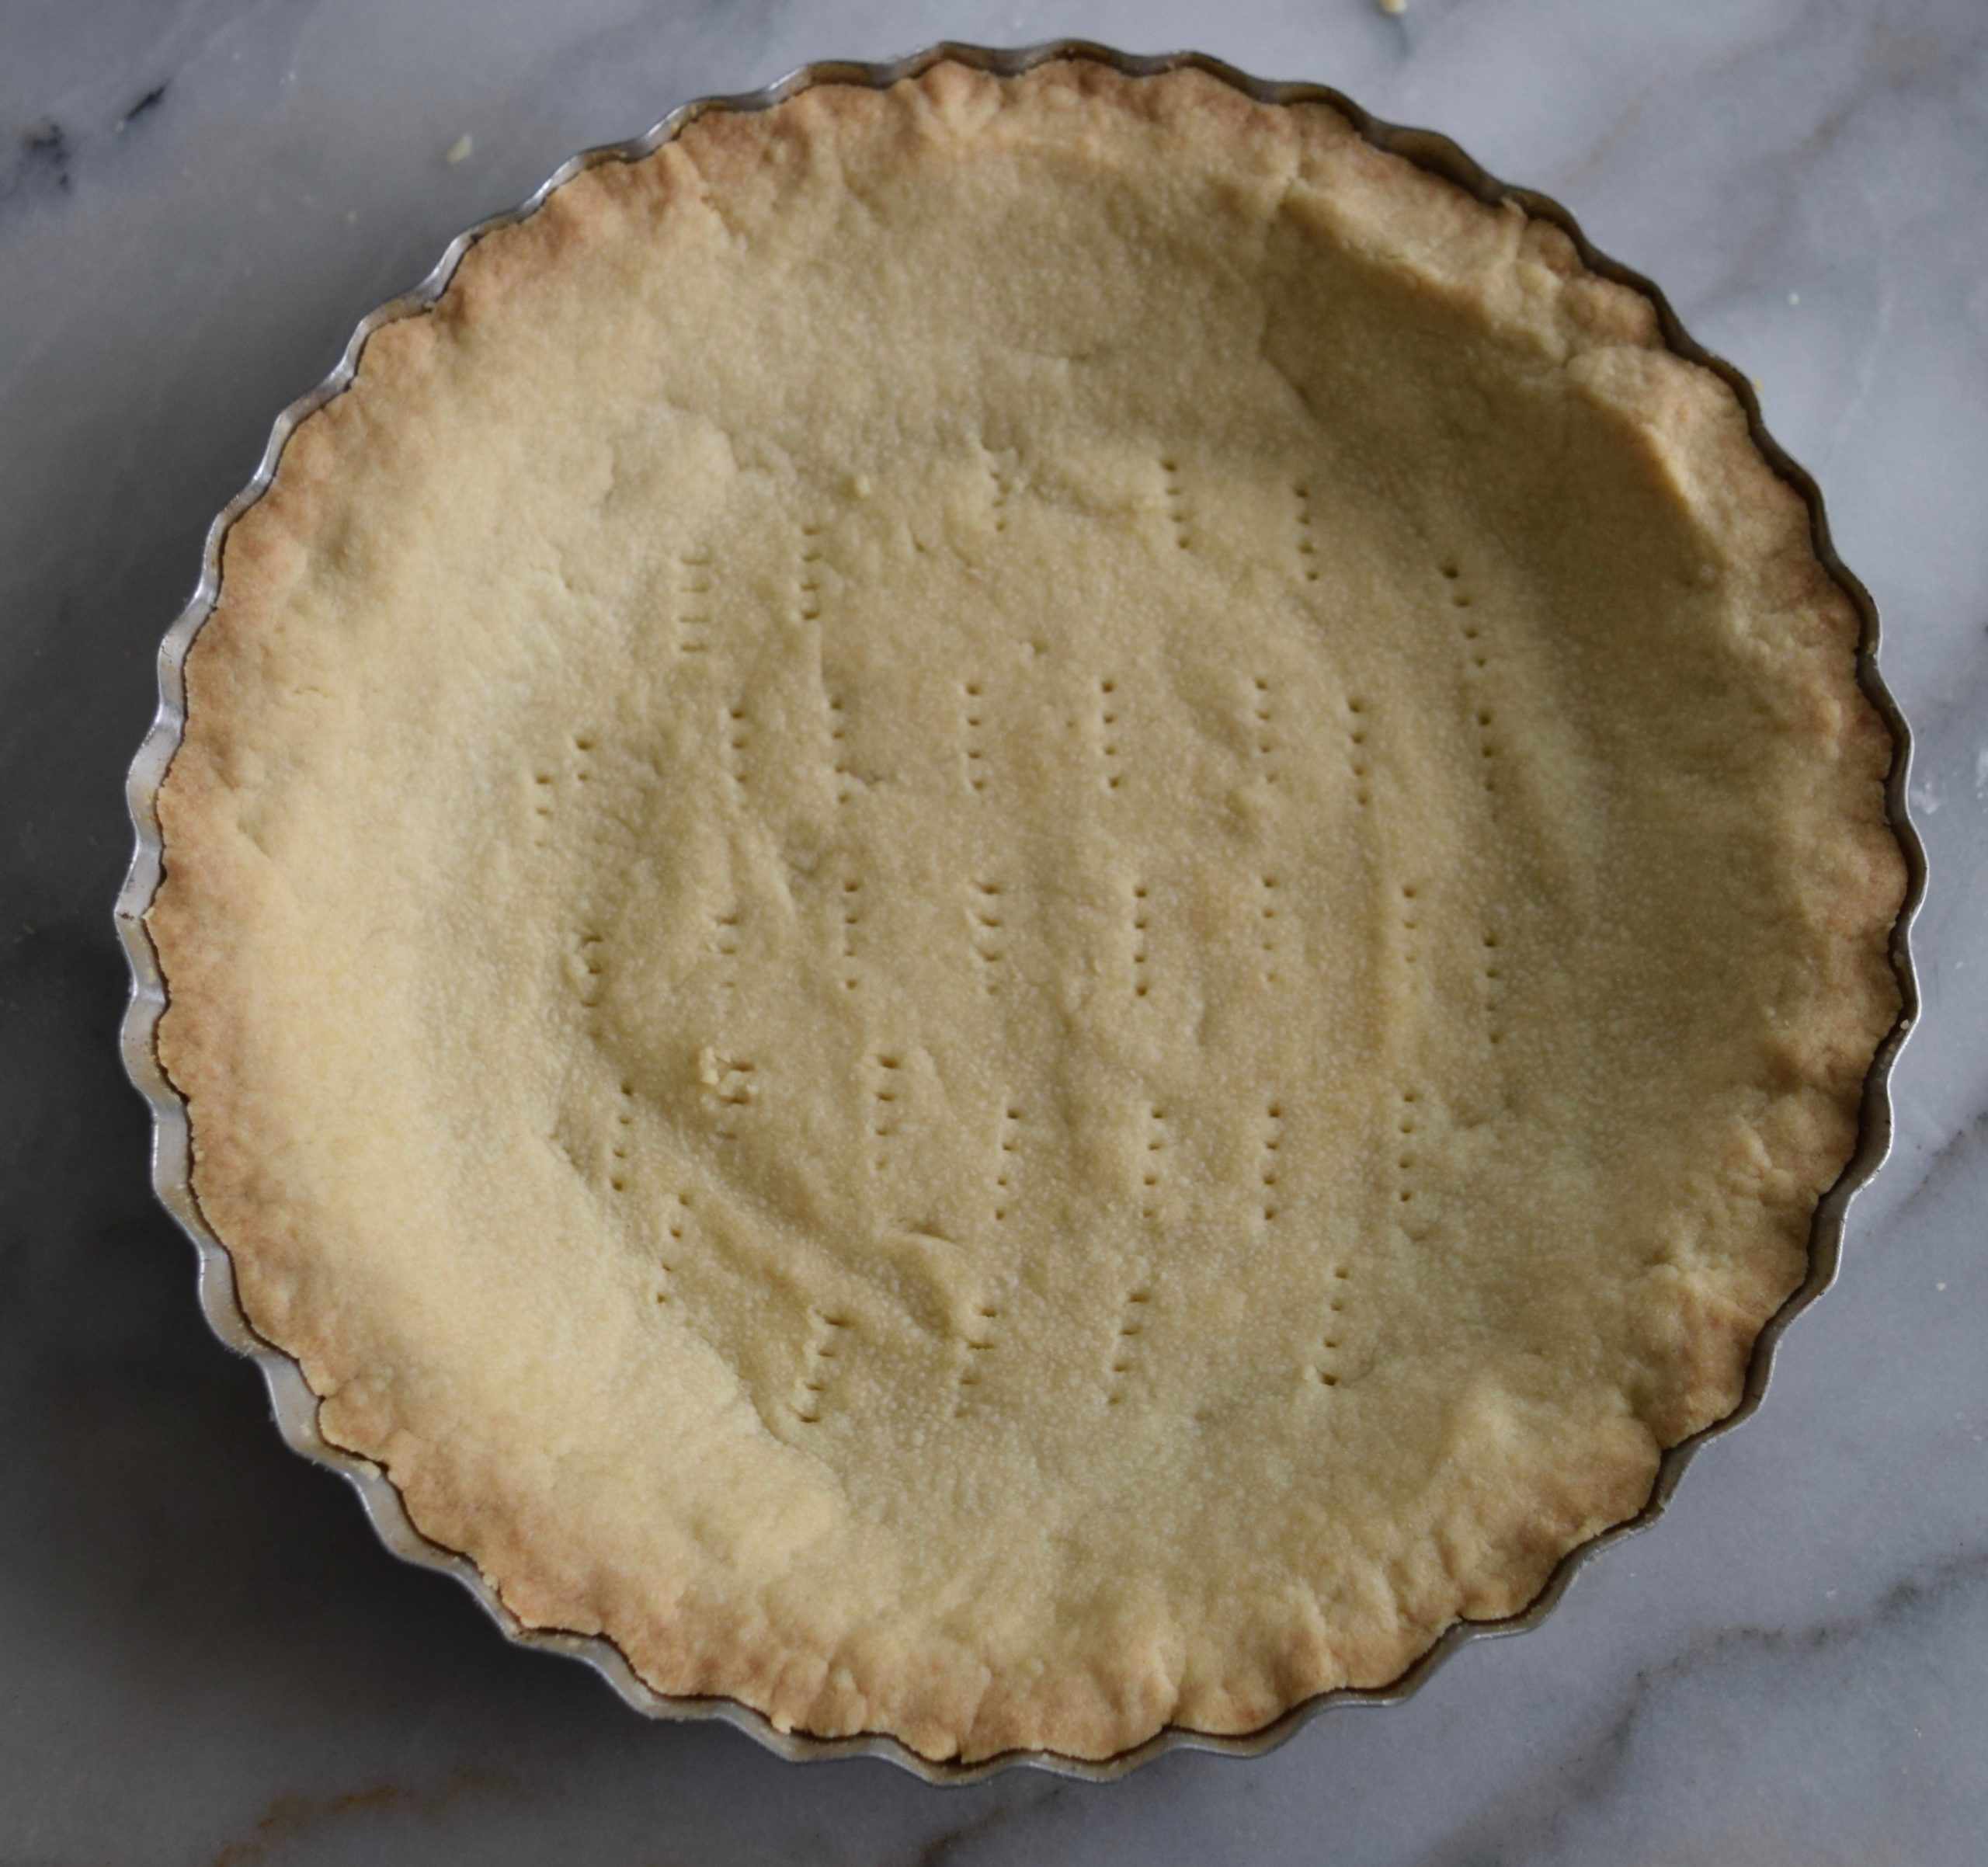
[205, 1655]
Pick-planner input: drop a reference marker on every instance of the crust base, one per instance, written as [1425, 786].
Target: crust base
[1023, 909]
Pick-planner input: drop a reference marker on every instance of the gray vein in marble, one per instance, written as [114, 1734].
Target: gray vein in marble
[1594, 1774]
[1864, 378]
[1898, 62]
[40, 160]
[945, 1849]
[1959, 1152]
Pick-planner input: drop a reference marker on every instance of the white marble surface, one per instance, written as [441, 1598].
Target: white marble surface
[204, 1657]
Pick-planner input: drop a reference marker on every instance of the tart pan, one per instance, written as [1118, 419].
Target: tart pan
[292, 1401]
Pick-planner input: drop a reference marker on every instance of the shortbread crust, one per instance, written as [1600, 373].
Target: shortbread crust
[1023, 909]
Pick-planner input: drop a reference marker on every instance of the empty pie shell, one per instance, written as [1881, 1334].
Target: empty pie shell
[1022, 907]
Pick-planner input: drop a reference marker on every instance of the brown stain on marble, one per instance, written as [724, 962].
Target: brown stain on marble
[292, 1818]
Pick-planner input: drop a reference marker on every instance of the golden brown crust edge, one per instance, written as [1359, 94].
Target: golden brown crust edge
[1695, 1375]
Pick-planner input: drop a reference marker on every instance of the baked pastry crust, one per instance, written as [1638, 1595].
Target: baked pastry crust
[1022, 908]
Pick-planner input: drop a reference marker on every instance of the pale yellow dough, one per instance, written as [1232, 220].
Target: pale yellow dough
[1023, 909]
